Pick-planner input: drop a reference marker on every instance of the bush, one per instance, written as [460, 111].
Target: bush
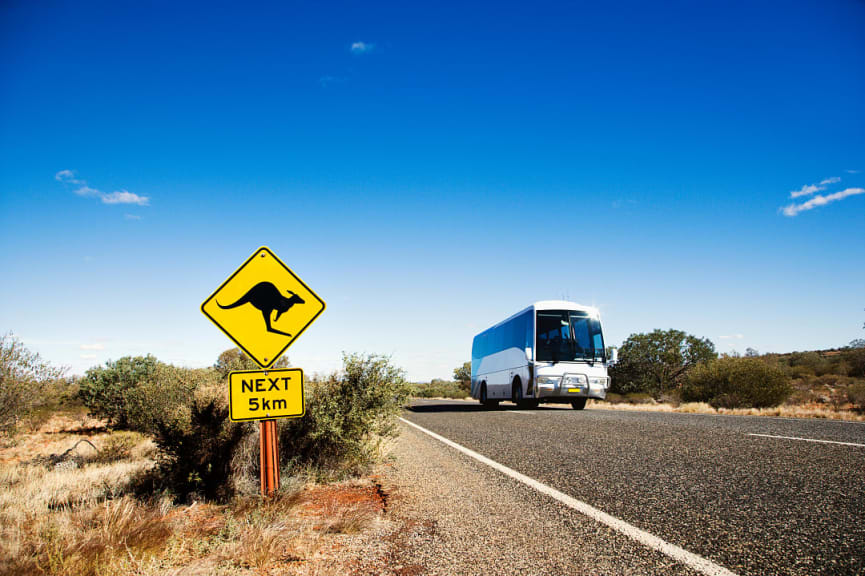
[657, 362]
[103, 389]
[117, 446]
[439, 389]
[203, 453]
[855, 360]
[27, 383]
[856, 396]
[196, 443]
[347, 416]
[737, 383]
[167, 390]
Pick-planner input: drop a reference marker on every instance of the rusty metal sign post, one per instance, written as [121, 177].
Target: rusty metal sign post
[263, 307]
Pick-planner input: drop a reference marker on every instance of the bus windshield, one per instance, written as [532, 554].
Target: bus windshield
[569, 336]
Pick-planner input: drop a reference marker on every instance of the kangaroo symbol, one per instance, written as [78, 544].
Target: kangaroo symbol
[266, 297]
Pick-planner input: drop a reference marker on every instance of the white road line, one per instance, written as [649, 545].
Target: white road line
[518, 412]
[698, 563]
[809, 440]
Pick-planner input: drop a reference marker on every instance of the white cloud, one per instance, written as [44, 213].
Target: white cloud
[87, 356]
[67, 176]
[131, 217]
[852, 171]
[732, 337]
[116, 197]
[820, 200]
[361, 47]
[125, 197]
[96, 346]
[810, 189]
[88, 192]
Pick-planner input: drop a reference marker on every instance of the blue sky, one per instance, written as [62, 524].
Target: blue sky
[429, 169]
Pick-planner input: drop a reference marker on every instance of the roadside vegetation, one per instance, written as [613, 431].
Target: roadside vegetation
[458, 388]
[140, 471]
[684, 372]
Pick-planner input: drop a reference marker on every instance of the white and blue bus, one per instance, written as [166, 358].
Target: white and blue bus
[553, 351]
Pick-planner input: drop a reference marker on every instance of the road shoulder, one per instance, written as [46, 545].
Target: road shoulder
[451, 515]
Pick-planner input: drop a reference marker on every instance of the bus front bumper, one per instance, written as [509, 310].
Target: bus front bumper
[566, 393]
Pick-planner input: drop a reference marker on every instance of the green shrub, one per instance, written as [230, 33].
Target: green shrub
[202, 453]
[856, 395]
[657, 362]
[118, 446]
[737, 383]
[103, 389]
[348, 414]
[27, 384]
[439, 389]
[854, 358]
[166, 390]
[196, 443]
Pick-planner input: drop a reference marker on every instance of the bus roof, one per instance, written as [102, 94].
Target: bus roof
[549, 305]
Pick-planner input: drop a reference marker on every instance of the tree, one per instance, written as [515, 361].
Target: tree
[658, 361]
[103, 389]
[235, 359]
[24, 377]
[463, 375]
[751, 352]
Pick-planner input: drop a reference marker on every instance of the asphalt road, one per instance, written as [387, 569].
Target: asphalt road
[726, 488]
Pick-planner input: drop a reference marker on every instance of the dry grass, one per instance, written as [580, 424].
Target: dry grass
[783, 411]
[78, 517]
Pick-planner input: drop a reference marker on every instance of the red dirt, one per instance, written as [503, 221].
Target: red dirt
[319, 499]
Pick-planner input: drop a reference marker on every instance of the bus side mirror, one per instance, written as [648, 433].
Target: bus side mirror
[529, 354]
[614, 356]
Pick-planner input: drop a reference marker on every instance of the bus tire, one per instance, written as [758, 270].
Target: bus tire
[517, 395]
[486, 402]
[579, 403]
[517, 392]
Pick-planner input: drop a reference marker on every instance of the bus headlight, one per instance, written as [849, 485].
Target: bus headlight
[575, 380]
[599, 382]
[549, 381]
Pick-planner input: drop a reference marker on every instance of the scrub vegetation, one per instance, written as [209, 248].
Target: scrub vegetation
[438, 388]
[30, 388]
[684, 371]
[156, 477]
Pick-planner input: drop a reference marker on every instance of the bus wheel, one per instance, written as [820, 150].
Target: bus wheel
[486, 402]
[579, 403]
[517, 392]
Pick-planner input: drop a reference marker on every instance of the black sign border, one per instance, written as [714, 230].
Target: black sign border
[264, 372]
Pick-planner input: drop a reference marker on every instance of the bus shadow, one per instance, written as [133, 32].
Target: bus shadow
[467, 407]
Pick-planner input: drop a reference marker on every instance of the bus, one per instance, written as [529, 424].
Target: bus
[551, 352]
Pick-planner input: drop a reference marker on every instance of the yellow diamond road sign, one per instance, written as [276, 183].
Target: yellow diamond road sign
[263, 307]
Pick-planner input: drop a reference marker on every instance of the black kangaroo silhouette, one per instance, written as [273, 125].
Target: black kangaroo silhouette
[267, 298]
